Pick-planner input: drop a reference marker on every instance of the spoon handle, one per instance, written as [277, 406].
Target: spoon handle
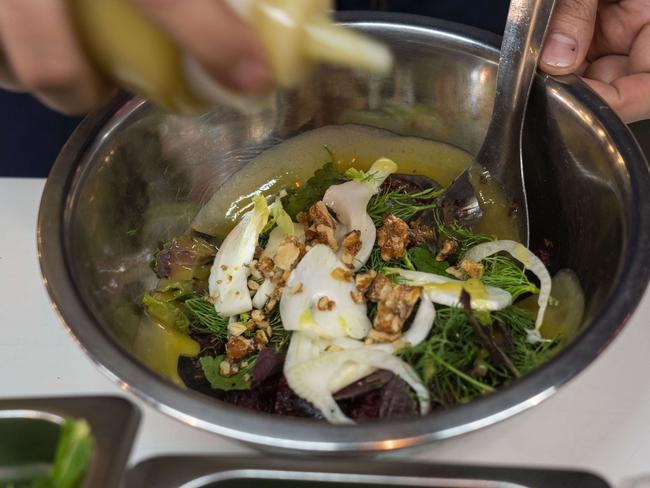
[522, 42]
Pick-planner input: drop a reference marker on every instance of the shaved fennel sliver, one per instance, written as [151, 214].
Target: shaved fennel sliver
[229, 274]
[531, 262]
[446, 291]
[349, 201]
[315, 279]
[422, 322]
[316, 379]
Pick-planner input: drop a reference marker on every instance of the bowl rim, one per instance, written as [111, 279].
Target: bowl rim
[293, 434]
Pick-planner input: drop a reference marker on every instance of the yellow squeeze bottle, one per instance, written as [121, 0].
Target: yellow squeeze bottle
[133, 52]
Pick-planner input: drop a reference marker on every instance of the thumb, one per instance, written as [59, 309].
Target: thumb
[569, 36]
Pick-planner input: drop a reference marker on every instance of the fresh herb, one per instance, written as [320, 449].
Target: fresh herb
[400, 204]
[166, 313]
[207, 318]
[503, 272]
[484, 334]
[72, 455]
[424, 260]
[455, 364]
[300, 199]
[465, 237]
[281, 336]
[239, 381]
[71, 458]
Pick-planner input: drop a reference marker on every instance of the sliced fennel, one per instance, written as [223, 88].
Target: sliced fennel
[314, 373]
[228, 276]
[350, 203]
[315, 278]
[446, 291]
[531, 262]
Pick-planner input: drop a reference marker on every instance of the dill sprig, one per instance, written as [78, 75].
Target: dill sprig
[503, 272]
[207, 320]
[281, 336]
[465, 237]
[400, 204]
[455, 365]
[376, 263]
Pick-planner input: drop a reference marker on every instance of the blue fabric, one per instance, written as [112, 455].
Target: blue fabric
[32, 135]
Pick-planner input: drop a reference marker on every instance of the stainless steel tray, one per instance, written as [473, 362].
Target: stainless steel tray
[29, 431]
[266, 472]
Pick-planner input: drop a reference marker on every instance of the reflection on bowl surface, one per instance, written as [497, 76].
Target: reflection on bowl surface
[132, 177]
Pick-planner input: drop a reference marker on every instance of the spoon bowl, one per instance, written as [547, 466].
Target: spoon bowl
[497, 170]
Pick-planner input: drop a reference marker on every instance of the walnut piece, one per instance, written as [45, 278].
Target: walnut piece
[449, 247]
[266, 265]
[420, 234]
[472, 268]
[319, 215]
[351, 245]
[393, 237]
[394, 305]
[379, 289]
[288, 253]
[261, 339]
[341, 274]
[321, 226]
[364, 280]
[238, 347]
[357, 297]
[325, 304]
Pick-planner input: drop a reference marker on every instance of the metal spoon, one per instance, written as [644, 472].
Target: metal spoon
[499, 158]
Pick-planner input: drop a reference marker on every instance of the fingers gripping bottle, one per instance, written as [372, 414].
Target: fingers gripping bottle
[296, 34]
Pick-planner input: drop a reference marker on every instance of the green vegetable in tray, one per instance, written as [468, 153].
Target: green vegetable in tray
[71, 459]
[239, 381]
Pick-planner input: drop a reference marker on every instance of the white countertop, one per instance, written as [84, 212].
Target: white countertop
[599, 421]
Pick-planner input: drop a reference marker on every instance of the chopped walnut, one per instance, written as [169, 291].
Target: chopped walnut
[288, 253]
[325, 304]
[456, 272]
[258, 251]
[238, 347]
[265, 265]
[449, 247]
[364, 280]
[236, 328]
[261, 339]
[351, 245]
[472, 268]
[379, 289]
[394, 305]
[319, 215]
[296, 289]
[303, 218]
[253, 285]
[420, 234]
[376, 336]
[257, 315]
[357, 297]
[270, 305]
[224, 369]
[341, 274]
[321, 226]
[395, 308]
[393, 237]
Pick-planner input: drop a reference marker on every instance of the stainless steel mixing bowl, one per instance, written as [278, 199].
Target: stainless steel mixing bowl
[132, 176]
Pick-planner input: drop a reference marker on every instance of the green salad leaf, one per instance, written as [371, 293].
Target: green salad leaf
[424, 260]
[300, 199]
[239, 381]
[73, 454]
[166, 313]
